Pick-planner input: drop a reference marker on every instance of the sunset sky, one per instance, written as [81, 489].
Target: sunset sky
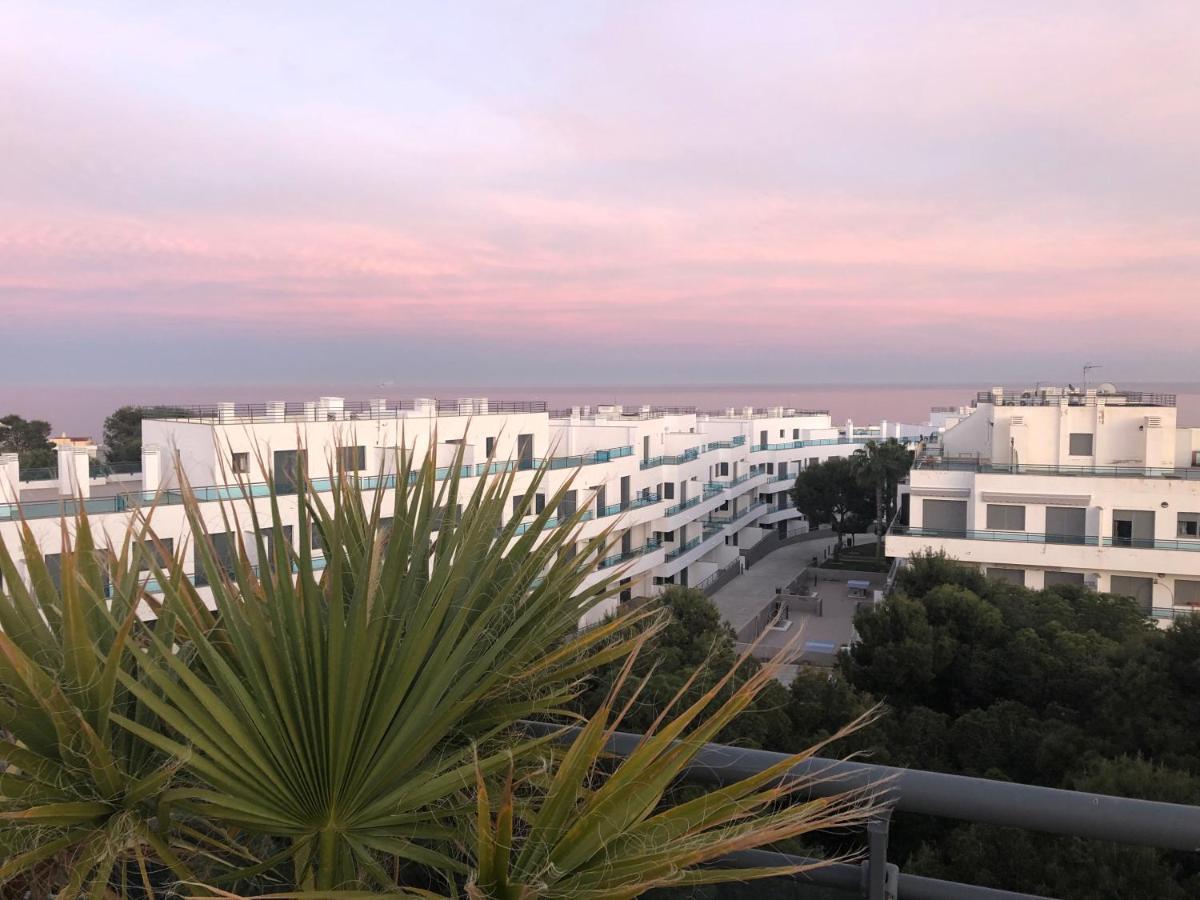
[598, 192]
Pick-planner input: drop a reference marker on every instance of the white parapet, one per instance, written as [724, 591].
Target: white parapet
[151, 467]
[73, 477]
[10, 478]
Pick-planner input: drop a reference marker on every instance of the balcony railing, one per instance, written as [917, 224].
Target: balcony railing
[1151, 543]
[1020, 537]
[680, 507]
[935, 462]
[683, 548]
[553, 522]
[693, 452]
[121, 502]
[1121, 398]
[616, 559]
[818, 442]
[1168, 826]
[638, 502]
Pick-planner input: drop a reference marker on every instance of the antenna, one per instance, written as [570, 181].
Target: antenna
[1087, 367]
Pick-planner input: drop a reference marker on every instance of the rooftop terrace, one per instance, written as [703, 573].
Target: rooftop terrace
[1057, 396]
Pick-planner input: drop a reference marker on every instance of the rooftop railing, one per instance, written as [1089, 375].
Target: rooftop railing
[1034, 398]
[348, 410]
[1167, 826]
[624, 412]
[764, 412]
[935, 461]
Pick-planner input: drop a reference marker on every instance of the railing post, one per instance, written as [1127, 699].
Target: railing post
[879, 876]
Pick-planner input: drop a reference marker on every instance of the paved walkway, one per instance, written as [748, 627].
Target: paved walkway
[746, 595]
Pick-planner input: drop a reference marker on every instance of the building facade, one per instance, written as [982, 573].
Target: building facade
[687, 490]
[1050, 486]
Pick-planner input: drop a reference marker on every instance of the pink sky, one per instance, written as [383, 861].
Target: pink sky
[604, 191]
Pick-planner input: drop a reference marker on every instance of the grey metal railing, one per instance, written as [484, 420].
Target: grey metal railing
[1168, 826]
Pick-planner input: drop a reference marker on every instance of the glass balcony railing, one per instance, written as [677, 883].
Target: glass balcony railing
[693, 452]
[615, 560]
[614, 509]
[1152, 543]
[121, 502]
[820, 442]
[680, 507]
[1020, 537]
[683, 548]
[935, 461]
[552, 522]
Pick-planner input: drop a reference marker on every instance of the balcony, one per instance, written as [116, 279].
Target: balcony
[934, 462]
[614, 509]
[795, 445]
[1020, 537]
[615, 560]
[683, 548]
[680, 507]
[1151, 543]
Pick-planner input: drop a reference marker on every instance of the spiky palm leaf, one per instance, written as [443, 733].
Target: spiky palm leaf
[338, 707]
[592, 834]
[77, 795]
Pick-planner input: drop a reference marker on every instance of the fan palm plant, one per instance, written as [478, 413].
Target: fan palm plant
[78, 794]
[343, 703]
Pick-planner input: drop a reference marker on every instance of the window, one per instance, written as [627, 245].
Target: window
[241, 464]
[1005, 518]
[1187, 593]
[1189, 525]
[1140, 589]
[668, 490]
[795, 434]
[770, 468]
[781, 432]
[1080, 444]
[944, 515]
[1196, 457]
[1053, 578]
[160, 551]
[353, 459]
[724, 468]
[539, 503]
[489, 447]
[1011, 576]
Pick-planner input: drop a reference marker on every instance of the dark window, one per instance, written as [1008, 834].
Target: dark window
[539, 502]
[224, 545]
[524, 451]
[1080, 444]
[795, 434]
[1012, 576]
[1189, 525]
[567, 505]
[1053, 578]
[269, 544]
[241, 464]
[1140, 589]
[354, 459]
[944, 515]
[489, 446]
[1001, 517]
[159, 550]
[668, 490]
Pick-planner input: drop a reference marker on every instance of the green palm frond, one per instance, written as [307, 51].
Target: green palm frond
[78, 796]
[336, 702]
[612, 832]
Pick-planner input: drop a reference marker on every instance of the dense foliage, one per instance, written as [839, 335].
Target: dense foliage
[1061, 687]
[123, 431]
[832, 491]
[29, 439]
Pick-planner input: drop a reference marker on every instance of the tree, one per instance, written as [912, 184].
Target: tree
[29, 440]
[696, 640]
[123, 430]
[880, 468]
[831, 492]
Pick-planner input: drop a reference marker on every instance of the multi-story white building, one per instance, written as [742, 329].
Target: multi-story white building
[1052, 486]
[688, 490]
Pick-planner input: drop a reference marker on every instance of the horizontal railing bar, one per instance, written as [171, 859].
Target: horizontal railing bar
[1101, 817]
[849, 877]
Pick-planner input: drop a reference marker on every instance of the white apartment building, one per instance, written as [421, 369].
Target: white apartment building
[688, 490]
[1050, 486]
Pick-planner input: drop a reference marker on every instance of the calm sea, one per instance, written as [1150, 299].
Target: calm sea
[81, 410]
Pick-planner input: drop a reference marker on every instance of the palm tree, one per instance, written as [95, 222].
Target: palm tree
[351, 719]
[881, 466]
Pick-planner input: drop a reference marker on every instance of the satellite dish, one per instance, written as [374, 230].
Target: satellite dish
[1108, 389]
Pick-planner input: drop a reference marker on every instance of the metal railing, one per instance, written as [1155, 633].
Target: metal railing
[616, 559]
[1020, 537]
[625, 412]
[1033, 398]
[680, 507]
[1151, 543]
[1167, 826]
[638, 502]
[39, 473]
[817, 442]
[348, 410]
[121, 502]
[935, 461]
[683, 548]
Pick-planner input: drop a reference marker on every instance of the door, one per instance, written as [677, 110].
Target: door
[1065, 524]
[601, 500]
[1133, 528]
[646, 447]
[626, 543]
[1140, 589]
[289, 469]
[625, 495]
[947, 517]
[762, 439]
[524, 451]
